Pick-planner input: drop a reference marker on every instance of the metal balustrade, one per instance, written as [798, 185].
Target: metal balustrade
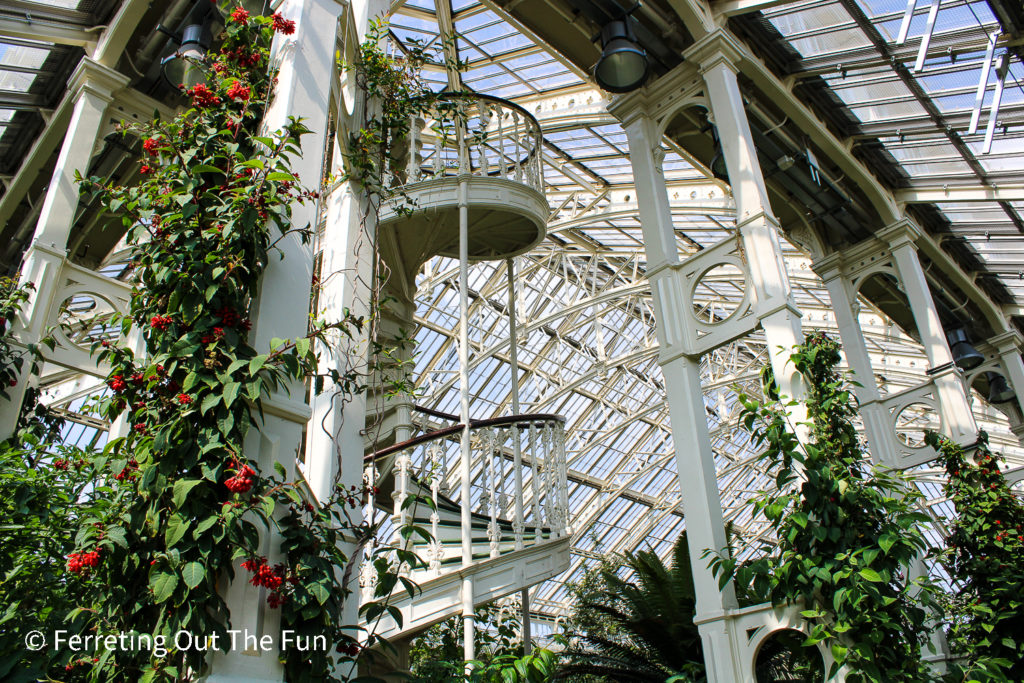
[468, 134]
[518, 488]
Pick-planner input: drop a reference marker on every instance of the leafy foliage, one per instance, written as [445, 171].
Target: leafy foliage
[638, 628]
[143, 537]
[846, 537]
[984, 555]
[436, 656]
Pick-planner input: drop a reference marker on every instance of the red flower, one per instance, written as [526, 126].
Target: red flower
[237, 91]
[240, 15]
[79, 561]
[242, 481]
[202, 96]
[282, 25]
[275, 599]
[151, 145]
[160, 322]
[146, 169]
[117, 383]
[140, 428]
[184, 399]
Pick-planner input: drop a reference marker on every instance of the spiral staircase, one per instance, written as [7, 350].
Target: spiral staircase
[468, 170]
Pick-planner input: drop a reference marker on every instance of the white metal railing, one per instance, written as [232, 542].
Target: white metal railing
[518, 487]
[468, 133]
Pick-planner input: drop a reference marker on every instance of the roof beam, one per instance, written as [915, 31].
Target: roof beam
[40, 28]
[962, 193]
[730, 8]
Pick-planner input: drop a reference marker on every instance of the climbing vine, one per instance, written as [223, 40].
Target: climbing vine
[178, 508]
[984, 555]
[846, 534]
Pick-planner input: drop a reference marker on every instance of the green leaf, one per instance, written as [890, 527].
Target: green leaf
[163, 585]
[117, 535]
[181, 489]
[231, 393]
[256, 363]
[176, 528]
[886, 542]
[319, 592]
[193, 574]
[869, 574]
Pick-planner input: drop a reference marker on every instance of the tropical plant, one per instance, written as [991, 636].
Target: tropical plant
[638, 627]
[984, 557]
[436, 656]
[175, 505]
[845, 533]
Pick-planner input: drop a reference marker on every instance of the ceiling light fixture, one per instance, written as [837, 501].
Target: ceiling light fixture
[623, 64]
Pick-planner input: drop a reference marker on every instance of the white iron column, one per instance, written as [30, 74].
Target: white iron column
[954, 408]
[518, 525]
[1008, 345]
[758, 227]
[465, 463]
[306, 62]
[881, 437]
[695, 460]
[94, 87]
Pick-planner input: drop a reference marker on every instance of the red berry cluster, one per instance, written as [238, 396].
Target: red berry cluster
[61, 464]
[245, 59]
[271, 578]
[129, 472]
[152, 146]
[117, 383]
[240, 15]
[282, 25]
[78, 562]
[218, 333]
[160, 322]
[240, 92]
[242, 481]
[202, 96]
[184, 399]
[146, 169]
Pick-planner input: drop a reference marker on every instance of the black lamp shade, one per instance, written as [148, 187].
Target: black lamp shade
[623, 64]
[186, 66]
[965, 356]
[999, 390]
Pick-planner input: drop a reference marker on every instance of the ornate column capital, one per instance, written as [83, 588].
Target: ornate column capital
[830, 267]
[718, 47]
[92, 77]
[903, 231]
[1010, 341]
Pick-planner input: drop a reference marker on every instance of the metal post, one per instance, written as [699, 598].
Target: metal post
[467, 475]
[517, 447]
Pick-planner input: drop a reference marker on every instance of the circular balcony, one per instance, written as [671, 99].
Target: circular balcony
[484, 146]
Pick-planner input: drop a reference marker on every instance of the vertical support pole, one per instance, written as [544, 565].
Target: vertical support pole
[979, 96]
[93, 86]
[281, 310]
[695, 459]
[1008, 345]
[879, 430]
[997, 98]
[517, 444]
[466, 452]
[954, 407]
[759, 229]
[926, 38]
[908, 15]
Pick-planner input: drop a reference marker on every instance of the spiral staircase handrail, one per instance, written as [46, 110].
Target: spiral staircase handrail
[521, 421]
